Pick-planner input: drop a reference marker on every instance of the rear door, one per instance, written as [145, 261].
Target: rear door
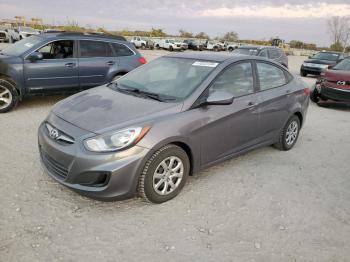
[231, 128]
[275, 93]
[57, 71]
[96, 63]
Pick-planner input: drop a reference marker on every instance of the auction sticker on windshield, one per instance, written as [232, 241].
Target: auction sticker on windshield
[207, 64]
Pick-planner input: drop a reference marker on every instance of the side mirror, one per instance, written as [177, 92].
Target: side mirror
[33, 57]
[310, 56]
[219, 98]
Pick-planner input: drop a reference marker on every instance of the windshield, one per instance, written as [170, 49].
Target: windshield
[343, 65]
[326, 56]
[245, 51]
[171, 77]
[171, 41]
[22, 46]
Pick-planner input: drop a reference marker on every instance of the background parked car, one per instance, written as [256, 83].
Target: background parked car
[212, 45]
[54, 63]
[169, 44]
[334, 84]
[25, 31]
[142, 43]
[316, 64]
[194, 44]
[274, 53]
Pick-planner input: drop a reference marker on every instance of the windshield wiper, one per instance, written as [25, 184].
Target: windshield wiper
[147, 94]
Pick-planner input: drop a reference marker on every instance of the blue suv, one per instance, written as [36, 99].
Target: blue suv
[62, 62]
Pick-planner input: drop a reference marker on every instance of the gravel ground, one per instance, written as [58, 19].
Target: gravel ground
[266, 205]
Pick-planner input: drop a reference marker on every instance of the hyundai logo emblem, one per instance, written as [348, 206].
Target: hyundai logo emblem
[53, 133]
[341, 83]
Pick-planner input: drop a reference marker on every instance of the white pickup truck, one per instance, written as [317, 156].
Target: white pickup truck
[169, 44]
[215, 46]
[139, 42]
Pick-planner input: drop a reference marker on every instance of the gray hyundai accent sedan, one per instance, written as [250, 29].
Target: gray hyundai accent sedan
[146, 132]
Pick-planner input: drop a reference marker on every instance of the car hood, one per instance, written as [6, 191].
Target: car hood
[320, 62]
[102, 109]
[337, 75]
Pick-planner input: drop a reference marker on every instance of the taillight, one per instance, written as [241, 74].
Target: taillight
[142, 60]
[307, 91]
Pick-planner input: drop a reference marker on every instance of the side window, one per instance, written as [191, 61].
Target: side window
[274, 53]
[263, 53]
[237, 79]
[95, 49]
[57, 50]
[270, 76]
[121, 50]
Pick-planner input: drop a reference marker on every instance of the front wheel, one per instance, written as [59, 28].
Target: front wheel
[314, 96]
[8, 95]
[171, 49]
[164, 174]
[289, 134]
[302, 73]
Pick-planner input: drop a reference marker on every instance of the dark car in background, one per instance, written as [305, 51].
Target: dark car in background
[194, 44]
[57, 63]
[334, 84]
[274, 53]
[316, 64]
[149, 130]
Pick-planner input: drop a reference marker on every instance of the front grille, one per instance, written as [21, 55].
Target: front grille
[53, 166]
[2, 35]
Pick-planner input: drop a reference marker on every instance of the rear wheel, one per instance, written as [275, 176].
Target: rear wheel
[8, 95]
[302, 73]
[230, 49]
[289, 134]
[216, 49]
[164, 174]
[171, 48]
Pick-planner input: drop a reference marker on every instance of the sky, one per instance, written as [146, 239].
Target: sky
[304, 20]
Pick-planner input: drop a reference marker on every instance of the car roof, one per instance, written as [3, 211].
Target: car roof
[82, 35]
[209, 56]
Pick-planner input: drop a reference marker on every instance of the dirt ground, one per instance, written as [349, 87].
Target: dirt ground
[266, 205]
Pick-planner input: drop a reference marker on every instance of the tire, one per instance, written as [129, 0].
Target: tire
[157, 189]
[216, 49]
[171, 48]
[117, 77]
[230, 49]
[302, 73]
[143, 46]
[158, 47]
[8, 95]
[285, 135]
[314, 96]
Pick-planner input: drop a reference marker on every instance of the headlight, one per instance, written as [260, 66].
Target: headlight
[116, 141]
[324, 66]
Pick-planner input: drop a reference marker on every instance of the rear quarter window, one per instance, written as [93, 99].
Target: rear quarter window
[122, 50]
[271, 76]
[90, 48]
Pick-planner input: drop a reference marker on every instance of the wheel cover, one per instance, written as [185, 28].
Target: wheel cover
[5, 97]
[168, 175]
[292, 133]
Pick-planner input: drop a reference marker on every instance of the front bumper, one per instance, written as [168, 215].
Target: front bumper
[336, 94]
[311, 70]
[97, 175]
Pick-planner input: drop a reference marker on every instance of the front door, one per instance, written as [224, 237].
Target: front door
[231, 128]
[96, 61]
[57, 71]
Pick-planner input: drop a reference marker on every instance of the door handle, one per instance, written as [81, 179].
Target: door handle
[70, 65]
[110, 63]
